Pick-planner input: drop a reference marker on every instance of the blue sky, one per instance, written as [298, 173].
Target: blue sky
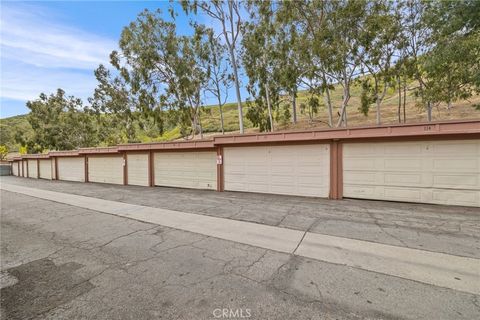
[47, 45]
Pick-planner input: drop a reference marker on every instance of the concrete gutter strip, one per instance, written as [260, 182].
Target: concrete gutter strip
[268, 237]
[458, 273]
[444, 270]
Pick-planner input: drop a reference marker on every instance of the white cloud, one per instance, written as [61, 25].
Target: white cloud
[25, 82]
[38, 55]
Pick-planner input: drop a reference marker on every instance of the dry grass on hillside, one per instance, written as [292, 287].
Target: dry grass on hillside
[461, 110]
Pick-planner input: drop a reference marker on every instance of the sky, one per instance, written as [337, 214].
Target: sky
[45, 45]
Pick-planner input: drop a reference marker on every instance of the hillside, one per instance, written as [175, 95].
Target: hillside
[211, 117]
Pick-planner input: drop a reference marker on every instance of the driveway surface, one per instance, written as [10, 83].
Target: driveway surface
[61, 261]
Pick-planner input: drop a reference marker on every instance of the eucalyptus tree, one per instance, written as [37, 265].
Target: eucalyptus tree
[453, 61]
[417, 32]
[344, 20]
[228, 15]
[261, 62]
[114, 107]
[328, 33]
[289, 50]
[379, 43]
[309, 52]
[220, 78]
[59, 122]
[162, 71]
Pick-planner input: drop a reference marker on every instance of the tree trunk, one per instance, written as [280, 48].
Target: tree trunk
[404, 100]
[343, 110]
[220, 108]
[233, 60]
[194, 127]
[429, 111]
[199, 122]
[221, 118]
[328, 102]
[399, 100]
[379, 122]
[237, 91]
[269, 108]
[377, 102]
[294, 106]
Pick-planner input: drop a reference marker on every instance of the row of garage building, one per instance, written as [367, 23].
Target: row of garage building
[426, 163]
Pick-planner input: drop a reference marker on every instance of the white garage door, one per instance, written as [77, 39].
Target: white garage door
[15, 168]
[45, 169]
[105, 169]
[32, 169]
[137, 173]
[443, 172]
[71, 168]
[302, 170]
[196, 170]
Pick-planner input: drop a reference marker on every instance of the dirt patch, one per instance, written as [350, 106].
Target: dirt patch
[41, 286]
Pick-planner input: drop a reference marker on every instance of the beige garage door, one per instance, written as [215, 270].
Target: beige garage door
[105, 169]
[22, 168]
[137, 173]
[196, 170]
[443, 172]
[15, 168]
[302, 170]
[45, 169]
[71, 168]
[32, 169]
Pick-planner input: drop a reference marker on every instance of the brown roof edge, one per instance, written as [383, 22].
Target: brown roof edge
[172, 145]
[35, 156]
[99, 150]
[400, 130]
[67, 153]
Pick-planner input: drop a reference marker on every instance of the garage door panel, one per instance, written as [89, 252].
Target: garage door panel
[105, 169]
[401, 150]
[455, 165]
[403, 194]
[455, 181]
[403, 164]
[444, 172]
[71, 168]
[137, 173]
[409, 179]
[360, 177]
[293, 170]
[458, 197]
[196, 170]
[32, 169]
[450, 148]
[359, 164]
[45, 169]
[14, 168]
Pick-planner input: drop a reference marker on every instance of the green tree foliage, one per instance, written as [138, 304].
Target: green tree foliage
[114, 108]
[3, 152]
[23, 150]
[161, 74]
[262, 63]
[228, 15]
[453, 61]
[379, 40]
[60, 123]
[220, 78]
